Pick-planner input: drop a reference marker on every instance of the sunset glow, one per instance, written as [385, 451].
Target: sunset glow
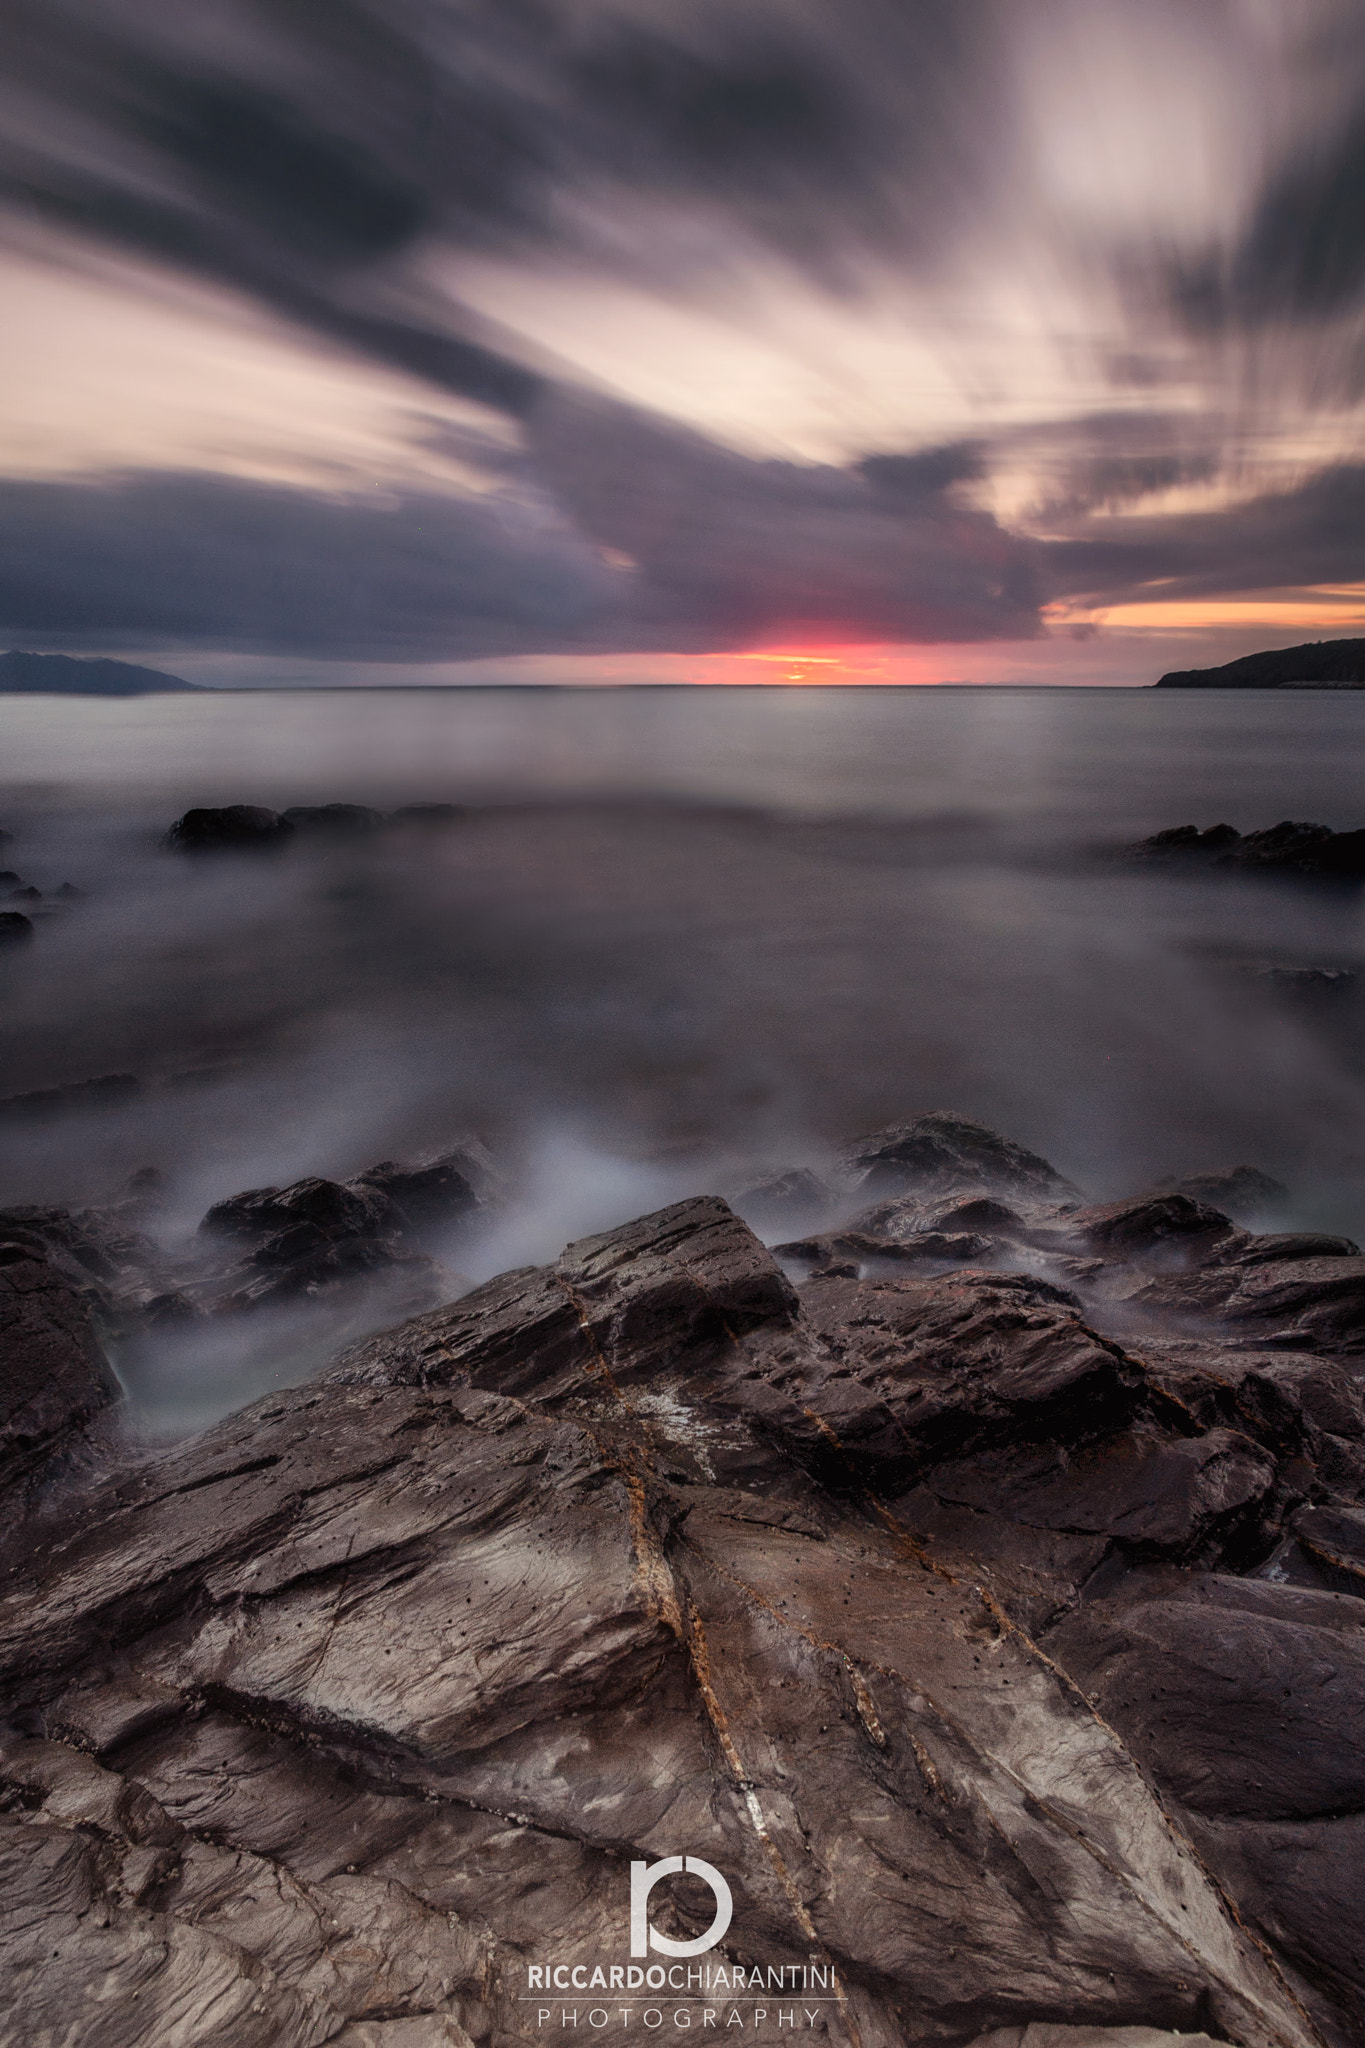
[1317, 611]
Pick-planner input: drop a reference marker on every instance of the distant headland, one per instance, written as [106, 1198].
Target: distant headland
[65, 675]
[1319, 664]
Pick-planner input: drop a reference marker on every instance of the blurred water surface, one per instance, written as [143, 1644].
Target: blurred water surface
[680, 933]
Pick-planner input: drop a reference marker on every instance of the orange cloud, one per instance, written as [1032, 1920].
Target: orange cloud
[1317, 609]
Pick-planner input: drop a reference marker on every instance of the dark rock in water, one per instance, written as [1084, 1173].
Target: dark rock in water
[1182, 839]
[105, 1091]
[1242, 1192]
[305, 1261]
[69, 893]
[786, 1199]
[1172, 1223]
[1307, 981]
[53, 1377]
[1301, 848]
[319, 1236]
[428, 814]
[29, 895]
[344, 820]
[1306, 850]
[236, 828]
[424, 1200]
[923, 1248]
[15, 928]
[8, 877]
[942, 1153]
[322, 1204]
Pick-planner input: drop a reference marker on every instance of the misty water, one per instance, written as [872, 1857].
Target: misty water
[680, 935]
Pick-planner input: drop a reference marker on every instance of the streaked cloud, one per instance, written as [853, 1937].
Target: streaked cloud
[609, 325]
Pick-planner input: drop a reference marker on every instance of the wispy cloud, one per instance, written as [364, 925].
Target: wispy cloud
[674, 328]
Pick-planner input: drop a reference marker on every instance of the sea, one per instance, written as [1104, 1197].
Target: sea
[676, 938]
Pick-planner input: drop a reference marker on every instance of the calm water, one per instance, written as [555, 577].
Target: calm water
[681, 932]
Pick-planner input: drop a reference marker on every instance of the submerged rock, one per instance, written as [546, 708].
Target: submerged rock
[235, 828]
[334, 820]
[1291, 848]
[15, 928]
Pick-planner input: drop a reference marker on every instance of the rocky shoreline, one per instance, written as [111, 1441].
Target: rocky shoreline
[977, 1584]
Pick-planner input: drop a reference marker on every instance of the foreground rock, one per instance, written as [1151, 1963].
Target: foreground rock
[913, 1604]
[53, 1376]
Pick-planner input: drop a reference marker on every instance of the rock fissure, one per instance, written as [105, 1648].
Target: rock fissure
[848, 1586]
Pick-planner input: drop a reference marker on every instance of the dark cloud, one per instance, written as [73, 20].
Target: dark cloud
[927, 472]
[302, 150]
[725, 551]
[223, 562]
[1301, 256]
[1110, 461]
[330, 158]
[744, 549]
[1314, 534]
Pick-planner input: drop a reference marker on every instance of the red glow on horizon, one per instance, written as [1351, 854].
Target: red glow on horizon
[821, 668]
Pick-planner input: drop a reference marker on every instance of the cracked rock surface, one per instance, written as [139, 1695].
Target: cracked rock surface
[1009, 1664]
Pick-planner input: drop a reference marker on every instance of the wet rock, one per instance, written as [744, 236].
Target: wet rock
[324, 1206]
[1301, 849]
[333, 820]
[1175, 1227]
[28, 895]
[53, 1377]
[1309, 851]
[1245, 1700]
[947, 1626]
[1242, 1192]
[946, 1154]
[15, 928]
[104, 1091]
[426, 1200]
[1181, 841]
[313, 1239]
[428, 814]
[1308, 983]
[418, 1657]
[1037, 2035]
[925, 1248]
[1288, 1291]
[235, 828]
[784, 1200]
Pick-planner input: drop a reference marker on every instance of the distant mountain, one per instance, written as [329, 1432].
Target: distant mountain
[63, 675]
[1320, 661]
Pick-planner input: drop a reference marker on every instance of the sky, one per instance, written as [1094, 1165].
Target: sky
[681, 340]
